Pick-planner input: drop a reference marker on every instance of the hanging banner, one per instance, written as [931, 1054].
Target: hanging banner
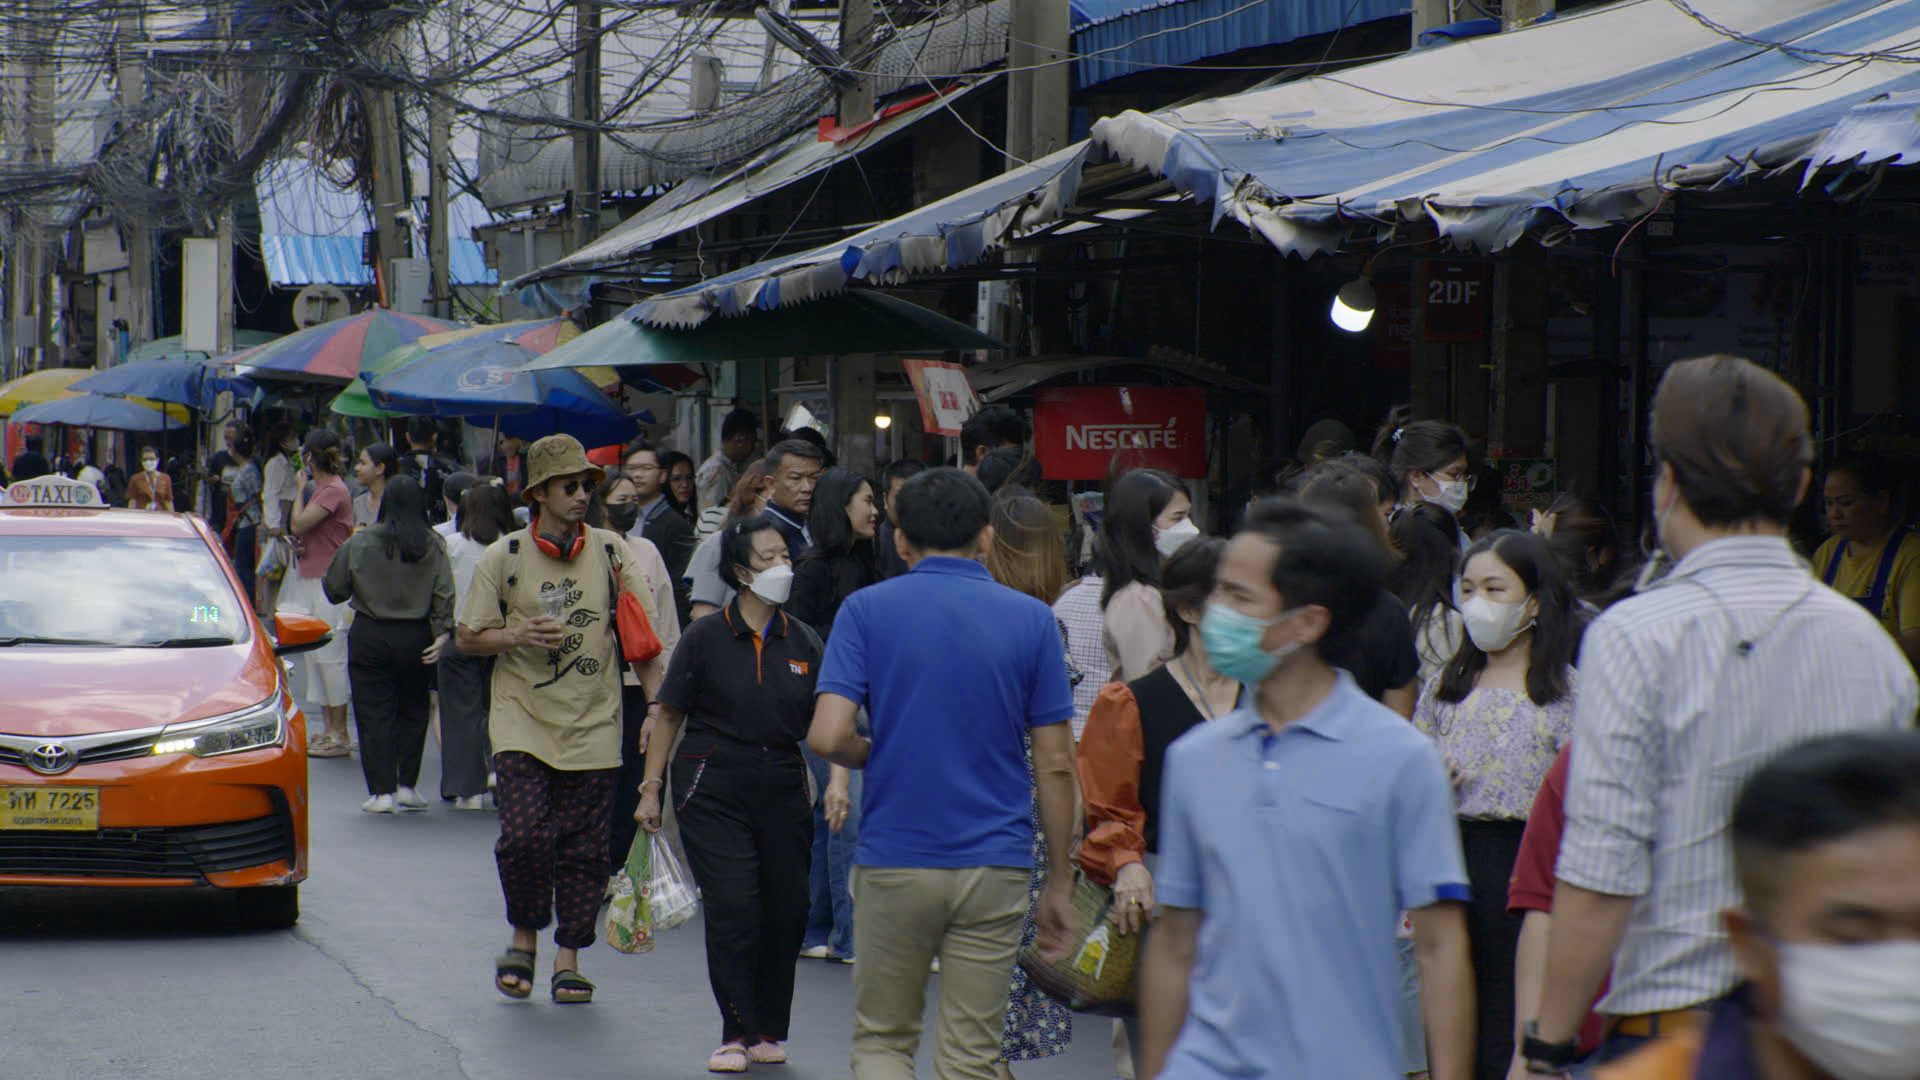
[1078, 430]
[945, 394]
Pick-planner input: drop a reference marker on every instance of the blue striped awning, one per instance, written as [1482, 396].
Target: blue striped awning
[1585, 122]
[1123, 37]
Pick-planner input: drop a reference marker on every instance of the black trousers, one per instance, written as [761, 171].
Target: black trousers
[390, 703]
[465, 695]
[1491, 847]
[745, 822]
[633, 769]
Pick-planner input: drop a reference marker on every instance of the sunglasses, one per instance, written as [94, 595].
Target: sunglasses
[571, 487]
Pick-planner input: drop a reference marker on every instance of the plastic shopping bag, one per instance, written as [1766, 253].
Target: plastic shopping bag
[274, 559]
[670, 892]
[629, 926]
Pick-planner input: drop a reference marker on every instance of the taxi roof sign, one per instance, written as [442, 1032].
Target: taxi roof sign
[52, 492]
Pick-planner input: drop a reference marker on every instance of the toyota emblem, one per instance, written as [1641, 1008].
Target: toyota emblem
[51, 759]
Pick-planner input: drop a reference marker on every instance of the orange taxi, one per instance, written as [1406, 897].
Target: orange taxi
[147, 735]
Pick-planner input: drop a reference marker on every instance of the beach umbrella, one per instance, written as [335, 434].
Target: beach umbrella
[55, 384]
[95, 411]
[476, 372]
[182, 380]
[335, 351]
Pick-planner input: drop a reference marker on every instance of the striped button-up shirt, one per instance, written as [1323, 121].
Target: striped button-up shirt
[1685, 691]
[1078, 611]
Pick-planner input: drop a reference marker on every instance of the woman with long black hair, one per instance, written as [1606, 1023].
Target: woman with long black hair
[1428, 540]
[1146, 519]
[399, 582]
[1500, 711]
[843, 523]
[485, 515]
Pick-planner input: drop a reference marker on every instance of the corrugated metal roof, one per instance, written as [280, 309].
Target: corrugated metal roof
[703, 198]
[1139, 36]
[311, 230]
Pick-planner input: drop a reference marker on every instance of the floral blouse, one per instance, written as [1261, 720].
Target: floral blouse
[1498, 745]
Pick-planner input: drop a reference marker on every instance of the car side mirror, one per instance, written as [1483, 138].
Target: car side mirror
[293, 634]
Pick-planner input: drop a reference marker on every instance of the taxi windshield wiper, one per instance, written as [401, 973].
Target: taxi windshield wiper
[185, 643]
[30, 640]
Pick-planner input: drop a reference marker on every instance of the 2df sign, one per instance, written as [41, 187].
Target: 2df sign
[1456, 300]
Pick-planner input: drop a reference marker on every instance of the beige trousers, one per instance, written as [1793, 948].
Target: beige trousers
[970, 919]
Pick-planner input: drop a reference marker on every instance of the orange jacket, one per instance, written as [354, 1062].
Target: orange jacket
[1671, 1058]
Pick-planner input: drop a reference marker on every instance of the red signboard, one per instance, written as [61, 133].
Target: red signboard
[1457, 299]
[945, 394]
[1078, 431]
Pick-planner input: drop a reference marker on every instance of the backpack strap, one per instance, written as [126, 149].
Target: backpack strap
[513, 574]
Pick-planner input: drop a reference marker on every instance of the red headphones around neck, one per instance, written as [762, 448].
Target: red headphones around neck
[552, 550]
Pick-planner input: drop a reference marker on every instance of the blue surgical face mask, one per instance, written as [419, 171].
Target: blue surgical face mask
[1234, 646]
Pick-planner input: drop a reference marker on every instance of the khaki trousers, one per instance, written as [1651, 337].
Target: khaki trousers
[970, 919]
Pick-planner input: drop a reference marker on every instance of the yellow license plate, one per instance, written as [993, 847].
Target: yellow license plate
[71, 808]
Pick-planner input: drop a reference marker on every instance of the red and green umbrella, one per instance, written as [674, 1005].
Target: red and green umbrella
[336, 351]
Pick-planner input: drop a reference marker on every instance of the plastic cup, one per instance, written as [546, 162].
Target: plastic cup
[553, 604]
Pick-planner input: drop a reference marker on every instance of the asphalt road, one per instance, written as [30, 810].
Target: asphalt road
[388, 974]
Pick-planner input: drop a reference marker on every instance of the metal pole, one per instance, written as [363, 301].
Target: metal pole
[586, 110]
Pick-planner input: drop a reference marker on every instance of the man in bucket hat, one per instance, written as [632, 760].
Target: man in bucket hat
[542, 601]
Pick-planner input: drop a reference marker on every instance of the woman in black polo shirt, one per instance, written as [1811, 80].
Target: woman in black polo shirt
[742, 681]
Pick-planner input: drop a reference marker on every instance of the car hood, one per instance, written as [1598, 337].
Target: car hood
[57, 690]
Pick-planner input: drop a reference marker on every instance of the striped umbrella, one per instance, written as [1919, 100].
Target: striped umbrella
[336, 351]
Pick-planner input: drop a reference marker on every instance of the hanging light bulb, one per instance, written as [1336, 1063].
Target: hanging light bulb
[1353, 305]
[882, 421]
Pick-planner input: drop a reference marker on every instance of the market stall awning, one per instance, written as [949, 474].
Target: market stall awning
[1584, 122]
[705, 197]
[856, 322]
[1126, 37]
[953, 231]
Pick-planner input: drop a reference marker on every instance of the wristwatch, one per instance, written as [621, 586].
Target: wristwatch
[1546, 1058]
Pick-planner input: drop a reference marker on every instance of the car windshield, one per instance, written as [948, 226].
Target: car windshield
[115, 591]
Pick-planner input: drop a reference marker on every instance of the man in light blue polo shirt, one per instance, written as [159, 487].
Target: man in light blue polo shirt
[1293, 831]
[955, 671]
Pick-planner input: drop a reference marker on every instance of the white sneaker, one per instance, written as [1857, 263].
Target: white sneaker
[470, 802]
[818, 952]
[378, 804]
[409, 799]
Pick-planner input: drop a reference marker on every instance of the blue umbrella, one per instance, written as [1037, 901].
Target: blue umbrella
[179, 379]
[479, 378]
[94, 411]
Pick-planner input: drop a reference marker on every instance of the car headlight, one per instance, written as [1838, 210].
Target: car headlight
[251, 728]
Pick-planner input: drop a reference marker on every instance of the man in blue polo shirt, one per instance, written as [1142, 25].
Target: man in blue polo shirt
[1293, 831]
[955, 672]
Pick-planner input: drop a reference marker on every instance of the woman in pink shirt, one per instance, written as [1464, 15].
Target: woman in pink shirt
[321, 522]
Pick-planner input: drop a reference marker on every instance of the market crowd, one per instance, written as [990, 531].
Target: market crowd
[1382, 781]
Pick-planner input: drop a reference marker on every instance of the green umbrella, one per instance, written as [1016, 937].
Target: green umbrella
[353, 401]
[861, 321]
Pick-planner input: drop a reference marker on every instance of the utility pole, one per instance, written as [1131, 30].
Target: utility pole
[856, 30]
[439, 140]
[1429, 15]
[586, 113]
[223, 227]
[1518, 13]
[1039, 78]
[30, 315]
[389, 193]
[130, 94]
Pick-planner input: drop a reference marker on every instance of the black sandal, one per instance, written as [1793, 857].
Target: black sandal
[514, 964]
[571, 982]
